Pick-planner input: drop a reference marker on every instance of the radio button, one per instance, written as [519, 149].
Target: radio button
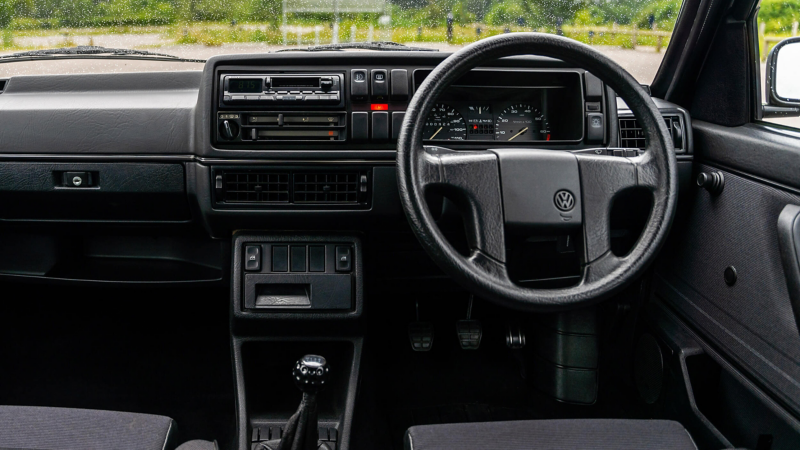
[226, 98]
[237, 97]
[267, 97]
[251, 97]
[312, 97]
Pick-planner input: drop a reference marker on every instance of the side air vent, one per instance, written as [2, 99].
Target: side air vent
[286, 186]
[326, 187]
[632, 136]
[3, 85]
[255, 187]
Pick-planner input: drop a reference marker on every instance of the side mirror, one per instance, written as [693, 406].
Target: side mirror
[783, 79]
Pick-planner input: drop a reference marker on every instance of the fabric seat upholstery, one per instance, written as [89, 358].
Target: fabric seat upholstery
[44, 428]
[583, 434]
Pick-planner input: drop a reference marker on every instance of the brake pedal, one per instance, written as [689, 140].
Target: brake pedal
[469, 331]
[515, 336]
[420, 334]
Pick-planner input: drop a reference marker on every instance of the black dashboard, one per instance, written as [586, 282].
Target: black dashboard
[292, 140]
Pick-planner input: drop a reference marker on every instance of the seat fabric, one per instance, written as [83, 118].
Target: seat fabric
[44, 428]
[583, 434]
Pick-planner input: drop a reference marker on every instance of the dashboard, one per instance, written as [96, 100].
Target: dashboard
[279, 140]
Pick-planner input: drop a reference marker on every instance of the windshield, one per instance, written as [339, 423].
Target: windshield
[635, 33]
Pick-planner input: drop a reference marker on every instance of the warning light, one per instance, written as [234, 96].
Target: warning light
[474, 127]
[379, 107]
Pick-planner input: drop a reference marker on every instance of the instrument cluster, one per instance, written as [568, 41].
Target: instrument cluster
[508, 106]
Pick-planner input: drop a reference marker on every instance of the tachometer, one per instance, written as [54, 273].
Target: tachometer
[444, 123]
[521, 123]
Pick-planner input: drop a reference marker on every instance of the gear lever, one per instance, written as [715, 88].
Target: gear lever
[302, 431]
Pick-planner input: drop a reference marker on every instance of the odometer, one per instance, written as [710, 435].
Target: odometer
[521, 123]
[444, 123]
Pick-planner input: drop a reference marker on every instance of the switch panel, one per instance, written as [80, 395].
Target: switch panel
[279, 275]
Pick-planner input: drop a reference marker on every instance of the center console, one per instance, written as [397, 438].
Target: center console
[290, 292]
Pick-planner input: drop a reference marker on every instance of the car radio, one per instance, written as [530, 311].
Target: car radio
[268, 90]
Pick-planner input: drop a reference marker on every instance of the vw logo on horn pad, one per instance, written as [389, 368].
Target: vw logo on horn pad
[564, 200]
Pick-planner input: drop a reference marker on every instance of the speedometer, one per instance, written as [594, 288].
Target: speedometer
[521, 123]
[444, 123]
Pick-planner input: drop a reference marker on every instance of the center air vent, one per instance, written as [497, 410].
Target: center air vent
[632, 136]
[348, 188]
[255, 187]
[326, 187]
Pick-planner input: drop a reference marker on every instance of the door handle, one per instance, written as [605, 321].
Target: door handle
[789, 240]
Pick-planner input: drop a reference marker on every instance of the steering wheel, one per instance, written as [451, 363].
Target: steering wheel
[535, 188]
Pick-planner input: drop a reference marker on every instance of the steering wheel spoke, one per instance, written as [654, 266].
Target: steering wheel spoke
[602, 179]
[472, 180]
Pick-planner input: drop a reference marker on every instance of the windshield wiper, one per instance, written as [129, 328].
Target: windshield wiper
[86, 51]
[383, 46]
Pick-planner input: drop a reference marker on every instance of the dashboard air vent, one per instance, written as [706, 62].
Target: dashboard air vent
[255, 187]
[326, 187]
[632, 136]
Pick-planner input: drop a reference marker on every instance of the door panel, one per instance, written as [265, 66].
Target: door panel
[750, 322]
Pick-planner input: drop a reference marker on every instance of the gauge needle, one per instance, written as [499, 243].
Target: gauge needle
[440, 129]
[520, 132]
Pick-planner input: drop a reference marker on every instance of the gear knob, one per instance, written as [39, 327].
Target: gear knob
[311, 373]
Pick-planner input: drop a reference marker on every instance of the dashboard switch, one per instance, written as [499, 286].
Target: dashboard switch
[280, 258]
[595, 127]
[298, 255]
[380, 84]
[359, 89]
[316, 258]
[344, 258]
[252, 258]
[380, 126]
[360, 126]
[399, 84]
